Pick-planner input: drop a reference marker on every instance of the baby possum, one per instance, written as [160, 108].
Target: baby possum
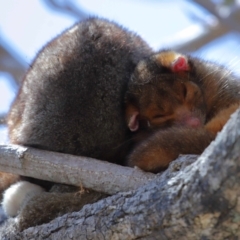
[178, 103]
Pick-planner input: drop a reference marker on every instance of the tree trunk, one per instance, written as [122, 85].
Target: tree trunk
[196, 201]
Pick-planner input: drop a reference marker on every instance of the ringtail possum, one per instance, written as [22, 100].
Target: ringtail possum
[169, 107]
[72, 98]
[177, 104]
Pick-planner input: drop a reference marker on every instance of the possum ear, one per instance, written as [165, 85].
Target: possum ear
[174, 61]
[132, 114]
[180, 64]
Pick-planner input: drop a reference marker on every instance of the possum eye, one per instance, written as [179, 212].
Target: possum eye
[160, 121]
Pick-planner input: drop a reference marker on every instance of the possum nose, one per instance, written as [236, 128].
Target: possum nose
[186, 118]
[192, 122]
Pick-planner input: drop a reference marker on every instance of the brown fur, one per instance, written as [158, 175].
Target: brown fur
[7, 179]
[60, 200]
[180, 111]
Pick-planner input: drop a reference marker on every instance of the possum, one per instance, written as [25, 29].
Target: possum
[179, 103]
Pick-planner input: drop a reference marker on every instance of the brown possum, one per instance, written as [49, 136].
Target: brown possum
[178, 104]
[72, 99]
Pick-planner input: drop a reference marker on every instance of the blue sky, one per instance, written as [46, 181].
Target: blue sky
[34, 24]
[26, 25]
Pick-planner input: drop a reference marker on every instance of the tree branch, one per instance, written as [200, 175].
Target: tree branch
[73, 170]
[230, 21]
[211, 33]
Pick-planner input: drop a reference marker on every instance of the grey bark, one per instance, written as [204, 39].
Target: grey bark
[199, 201]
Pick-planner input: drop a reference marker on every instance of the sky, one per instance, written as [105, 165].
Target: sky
[27, 25]
[150, 19]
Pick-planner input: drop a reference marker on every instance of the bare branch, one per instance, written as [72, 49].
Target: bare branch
[211, 33]
[62, 168]
[231, 21]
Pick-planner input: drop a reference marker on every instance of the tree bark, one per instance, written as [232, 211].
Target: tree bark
[199, 201]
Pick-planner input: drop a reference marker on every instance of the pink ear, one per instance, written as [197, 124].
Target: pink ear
[180, 64]
[133, 123]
